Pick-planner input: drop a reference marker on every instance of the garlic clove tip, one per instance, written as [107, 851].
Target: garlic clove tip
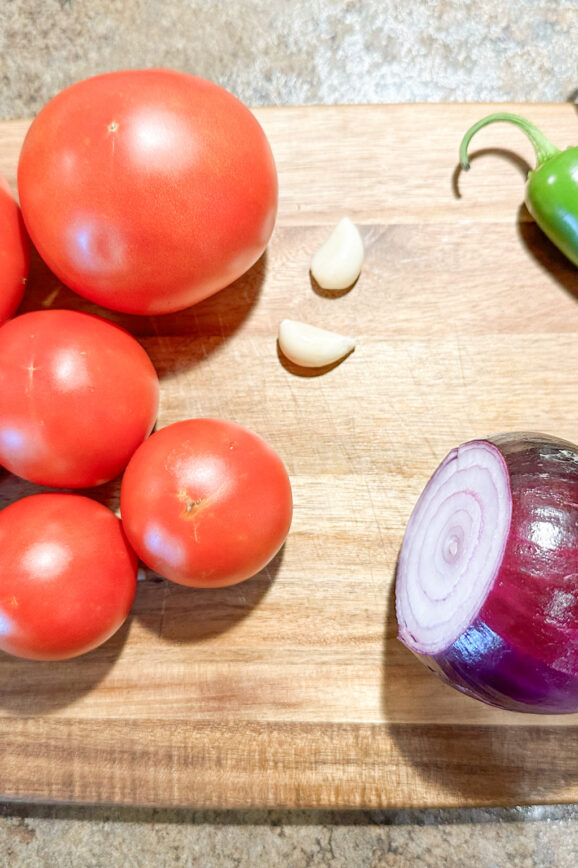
[338, 262]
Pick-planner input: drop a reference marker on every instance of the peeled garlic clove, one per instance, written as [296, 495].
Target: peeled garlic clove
[310, 346]
[337, 263]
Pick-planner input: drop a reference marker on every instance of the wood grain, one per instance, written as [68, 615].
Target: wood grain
[292, 689]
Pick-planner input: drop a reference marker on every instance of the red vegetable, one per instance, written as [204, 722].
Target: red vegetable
[487, 580]
[206, 502]
[147, 190]
[14, 253]
[67, 576]
[78, 394]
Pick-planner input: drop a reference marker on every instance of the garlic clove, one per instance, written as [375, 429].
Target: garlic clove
[312, 347]
[337, 264]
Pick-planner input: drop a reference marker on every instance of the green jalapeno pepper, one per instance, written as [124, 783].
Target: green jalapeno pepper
[551, 188]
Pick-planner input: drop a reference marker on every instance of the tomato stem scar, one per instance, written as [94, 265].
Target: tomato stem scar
[189, 502]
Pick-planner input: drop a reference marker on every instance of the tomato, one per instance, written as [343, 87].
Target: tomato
[206, 502]
[77, 396]
[14, 253]
[67, 576]
[147, 190]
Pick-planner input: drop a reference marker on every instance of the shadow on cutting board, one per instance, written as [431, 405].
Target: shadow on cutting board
[187, 615]
[31, 688]
[12, 488]
[483, 153]
[205, 326]
[472, 757]
[546, 254]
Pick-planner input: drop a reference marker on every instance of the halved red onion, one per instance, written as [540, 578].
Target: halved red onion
[487, 577]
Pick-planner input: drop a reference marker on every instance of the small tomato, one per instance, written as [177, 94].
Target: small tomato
[67, 576]
[78, 394]
[206, 502]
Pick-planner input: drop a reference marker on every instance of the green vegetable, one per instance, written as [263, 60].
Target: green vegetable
[552, 187]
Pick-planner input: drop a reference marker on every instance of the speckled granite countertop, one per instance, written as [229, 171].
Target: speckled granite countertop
[275, 52]
[305, 51]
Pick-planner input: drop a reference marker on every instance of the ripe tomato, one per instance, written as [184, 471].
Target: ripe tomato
[14, 253]
[206, 503]
[147, 190]
[67, 576]
[77, 396]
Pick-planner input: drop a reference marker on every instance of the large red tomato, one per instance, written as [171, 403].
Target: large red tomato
[67, 576]
[14, 253]
[147, 190]
[78, 394]
[206, 502]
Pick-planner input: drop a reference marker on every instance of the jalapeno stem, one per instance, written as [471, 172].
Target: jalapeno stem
[542, 145]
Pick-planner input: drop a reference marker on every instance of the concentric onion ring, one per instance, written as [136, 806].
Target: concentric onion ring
[453, 547]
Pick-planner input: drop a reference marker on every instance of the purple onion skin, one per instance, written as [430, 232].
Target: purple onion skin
[483, 665]
[521, 651]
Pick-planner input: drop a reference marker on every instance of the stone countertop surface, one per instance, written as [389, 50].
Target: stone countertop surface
[271, 52]
[305, 51]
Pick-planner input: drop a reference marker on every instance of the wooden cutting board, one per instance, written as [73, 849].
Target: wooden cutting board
[291, 689]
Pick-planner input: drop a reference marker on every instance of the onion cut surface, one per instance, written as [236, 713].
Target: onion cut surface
[487, 577]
